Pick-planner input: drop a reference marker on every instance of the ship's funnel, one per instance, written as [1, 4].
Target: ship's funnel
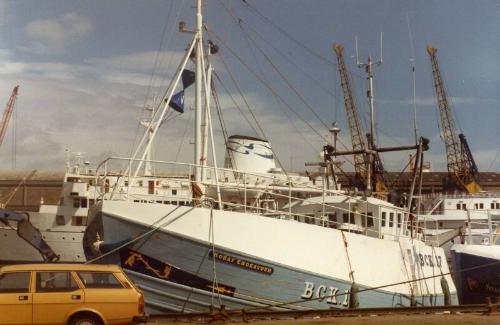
[249, 154]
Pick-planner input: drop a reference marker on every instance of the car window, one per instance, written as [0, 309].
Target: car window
[55, 282]
[15, 282]
[99, 280]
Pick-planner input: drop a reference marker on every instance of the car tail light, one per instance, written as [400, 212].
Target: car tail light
[141, 304]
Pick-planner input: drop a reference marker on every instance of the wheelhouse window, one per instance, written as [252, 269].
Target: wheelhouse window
[332, 220]
[399, 220]
[391, 219]
[79, 221]
[384, 217]
[99, 280]
[83, 203]
[369, 219]
[60, 220]
[55, 282]
[348, 218]
[15, 282]
[76, 202]
[151, 187]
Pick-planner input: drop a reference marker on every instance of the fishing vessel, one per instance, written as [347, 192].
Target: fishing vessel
[473, 210]
[461, 218]
[276, 246]
[476, 268]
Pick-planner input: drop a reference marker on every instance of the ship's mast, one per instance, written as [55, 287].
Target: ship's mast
[374, 166]
[358, 139]
[198, 150]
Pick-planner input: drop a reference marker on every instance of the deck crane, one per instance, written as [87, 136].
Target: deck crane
[461, 165]
[8, 113]
[358, 139]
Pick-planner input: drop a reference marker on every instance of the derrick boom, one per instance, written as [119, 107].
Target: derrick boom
[8, 113]
[461, 165]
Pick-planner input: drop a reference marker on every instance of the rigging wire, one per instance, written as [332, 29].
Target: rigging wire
[186, 127]
[494, 160]
[301, 134]
[271, 89]
[285, 33]
[300, 44]
[248, 41]
[336, 97]
[238, 21]
[412, 60]
[221, 119]
[226, 67]
[157, 56]
[288, 58]
[298, 66]
[170, 57]
[232, 98]
[156, 67]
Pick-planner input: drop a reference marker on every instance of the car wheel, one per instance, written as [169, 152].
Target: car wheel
[85, 320]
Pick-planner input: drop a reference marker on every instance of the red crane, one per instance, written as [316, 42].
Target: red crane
[8, 113]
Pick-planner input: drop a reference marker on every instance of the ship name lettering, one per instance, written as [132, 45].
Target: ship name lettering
[241, 263]
[429, 260]
[323, 292]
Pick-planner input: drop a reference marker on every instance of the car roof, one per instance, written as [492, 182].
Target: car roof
[60, 267]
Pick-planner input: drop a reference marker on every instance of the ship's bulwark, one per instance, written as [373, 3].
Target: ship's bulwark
[269, 262]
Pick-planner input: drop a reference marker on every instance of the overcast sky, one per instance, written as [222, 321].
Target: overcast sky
[87, 68]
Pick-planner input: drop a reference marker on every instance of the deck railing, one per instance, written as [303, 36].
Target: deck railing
[284, 191]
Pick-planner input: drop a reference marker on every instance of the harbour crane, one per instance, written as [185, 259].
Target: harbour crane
[364, 166]
[461, 165]
[8, 113]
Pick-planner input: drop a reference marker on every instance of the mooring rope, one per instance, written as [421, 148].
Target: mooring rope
[211, 236]
[283, 304]
[133, 240]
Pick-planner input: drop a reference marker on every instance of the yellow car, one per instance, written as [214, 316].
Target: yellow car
[69, 294]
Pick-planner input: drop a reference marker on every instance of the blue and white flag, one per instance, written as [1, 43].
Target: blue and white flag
[177, 102]
[187, 78]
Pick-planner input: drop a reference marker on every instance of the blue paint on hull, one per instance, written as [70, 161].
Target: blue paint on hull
[474, 286]
[252, 289]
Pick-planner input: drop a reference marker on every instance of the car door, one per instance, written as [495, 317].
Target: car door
[105, 293]
[16, 303]
[56, 295]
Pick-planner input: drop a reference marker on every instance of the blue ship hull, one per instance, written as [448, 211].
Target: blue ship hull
[476, 277]
[178, 274]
